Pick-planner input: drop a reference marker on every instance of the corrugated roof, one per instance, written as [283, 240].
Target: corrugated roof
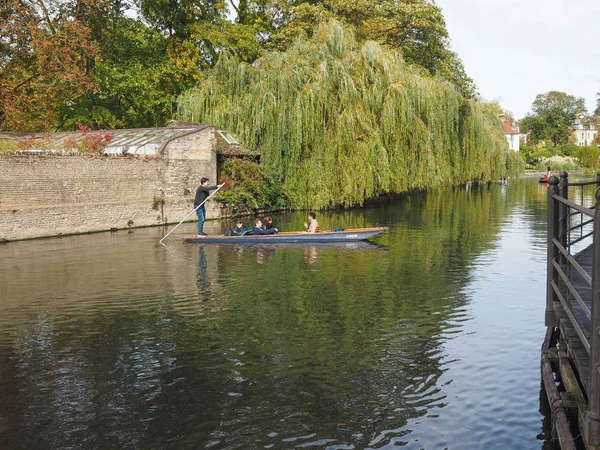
[137, 141]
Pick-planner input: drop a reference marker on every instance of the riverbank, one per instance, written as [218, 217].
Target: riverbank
[541, 173]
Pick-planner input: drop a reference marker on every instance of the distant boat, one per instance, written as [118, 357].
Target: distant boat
[291, 237]
[544, 179]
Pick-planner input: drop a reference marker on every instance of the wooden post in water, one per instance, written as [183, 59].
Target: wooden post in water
[592, 419]
[551, 274]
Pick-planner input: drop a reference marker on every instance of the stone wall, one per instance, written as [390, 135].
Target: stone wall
[49, 194]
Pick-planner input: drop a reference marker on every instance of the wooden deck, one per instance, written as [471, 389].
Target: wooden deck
[576, 350]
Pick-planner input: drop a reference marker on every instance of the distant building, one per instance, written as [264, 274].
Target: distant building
[512, 133]
[583, 133]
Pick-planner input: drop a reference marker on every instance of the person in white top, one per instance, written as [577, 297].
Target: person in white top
[312, 226]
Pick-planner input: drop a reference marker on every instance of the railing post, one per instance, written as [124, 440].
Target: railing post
[563, 227]
[592, 420]
[551, 274]
[598, 178]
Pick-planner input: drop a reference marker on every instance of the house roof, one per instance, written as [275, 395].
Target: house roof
[508, 128]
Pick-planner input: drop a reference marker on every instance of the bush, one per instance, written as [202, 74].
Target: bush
[533, 155]
[588, 156]
[558, 163]
[248, 186]
[569, 150]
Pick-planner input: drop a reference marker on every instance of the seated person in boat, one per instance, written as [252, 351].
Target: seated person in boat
[267, 223]
[240, 229]
[312, 226]
[548, 173]
[258, 228]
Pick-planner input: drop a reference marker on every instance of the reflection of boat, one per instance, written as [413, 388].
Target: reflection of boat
[339, 244]
[364, 245]
[292, 237]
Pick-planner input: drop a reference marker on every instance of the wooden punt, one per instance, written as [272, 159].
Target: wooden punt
[291, 237]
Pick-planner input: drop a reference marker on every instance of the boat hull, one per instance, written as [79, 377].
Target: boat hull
[359, 234]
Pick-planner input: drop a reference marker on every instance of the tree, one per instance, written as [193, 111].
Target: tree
[136, 81]
[46, 60]
[67, 61]
[414, 27]
[551, 117]
[337, 120]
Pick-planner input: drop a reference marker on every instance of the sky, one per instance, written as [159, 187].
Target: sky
[517, 49]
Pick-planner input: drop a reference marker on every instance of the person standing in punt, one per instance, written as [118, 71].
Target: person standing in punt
[202, 194]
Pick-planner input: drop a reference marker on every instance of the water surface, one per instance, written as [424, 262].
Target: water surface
[430, 338]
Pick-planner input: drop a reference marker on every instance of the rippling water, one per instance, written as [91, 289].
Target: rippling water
[430, 338]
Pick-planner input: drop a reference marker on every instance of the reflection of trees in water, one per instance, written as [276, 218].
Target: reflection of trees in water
[360, 342]
[122, 380]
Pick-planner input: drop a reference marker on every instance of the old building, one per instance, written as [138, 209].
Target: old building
[583, 133]
[65, 183]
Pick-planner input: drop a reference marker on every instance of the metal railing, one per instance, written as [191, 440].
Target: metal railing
[570, 223]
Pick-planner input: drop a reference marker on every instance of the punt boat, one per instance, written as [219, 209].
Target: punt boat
[291, 237]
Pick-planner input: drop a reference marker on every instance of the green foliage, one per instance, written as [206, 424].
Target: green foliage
[248, 186]
[339, 122]
[564, 157]
[137, 79]
[526, 153]
[416, 28]
[90, 62]
[589, 156]
[551, 116]
[558, 163]
[570, 150]
[515, 164]
[8, 147]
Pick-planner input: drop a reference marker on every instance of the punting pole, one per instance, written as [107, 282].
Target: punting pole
[193, 211]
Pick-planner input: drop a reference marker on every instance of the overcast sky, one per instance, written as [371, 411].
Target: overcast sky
[516, 49]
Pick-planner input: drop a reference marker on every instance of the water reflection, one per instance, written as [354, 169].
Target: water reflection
[108, 341]
[203, 280]
[310, 254]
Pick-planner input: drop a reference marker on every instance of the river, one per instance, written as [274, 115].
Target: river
[427, 338]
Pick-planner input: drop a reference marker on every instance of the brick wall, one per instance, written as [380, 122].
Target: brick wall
[49, 194]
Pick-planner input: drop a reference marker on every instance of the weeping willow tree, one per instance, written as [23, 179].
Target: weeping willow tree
[338, 121]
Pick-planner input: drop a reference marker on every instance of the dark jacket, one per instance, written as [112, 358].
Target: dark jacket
[257, 230]
[202, 193]
[240, 231]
